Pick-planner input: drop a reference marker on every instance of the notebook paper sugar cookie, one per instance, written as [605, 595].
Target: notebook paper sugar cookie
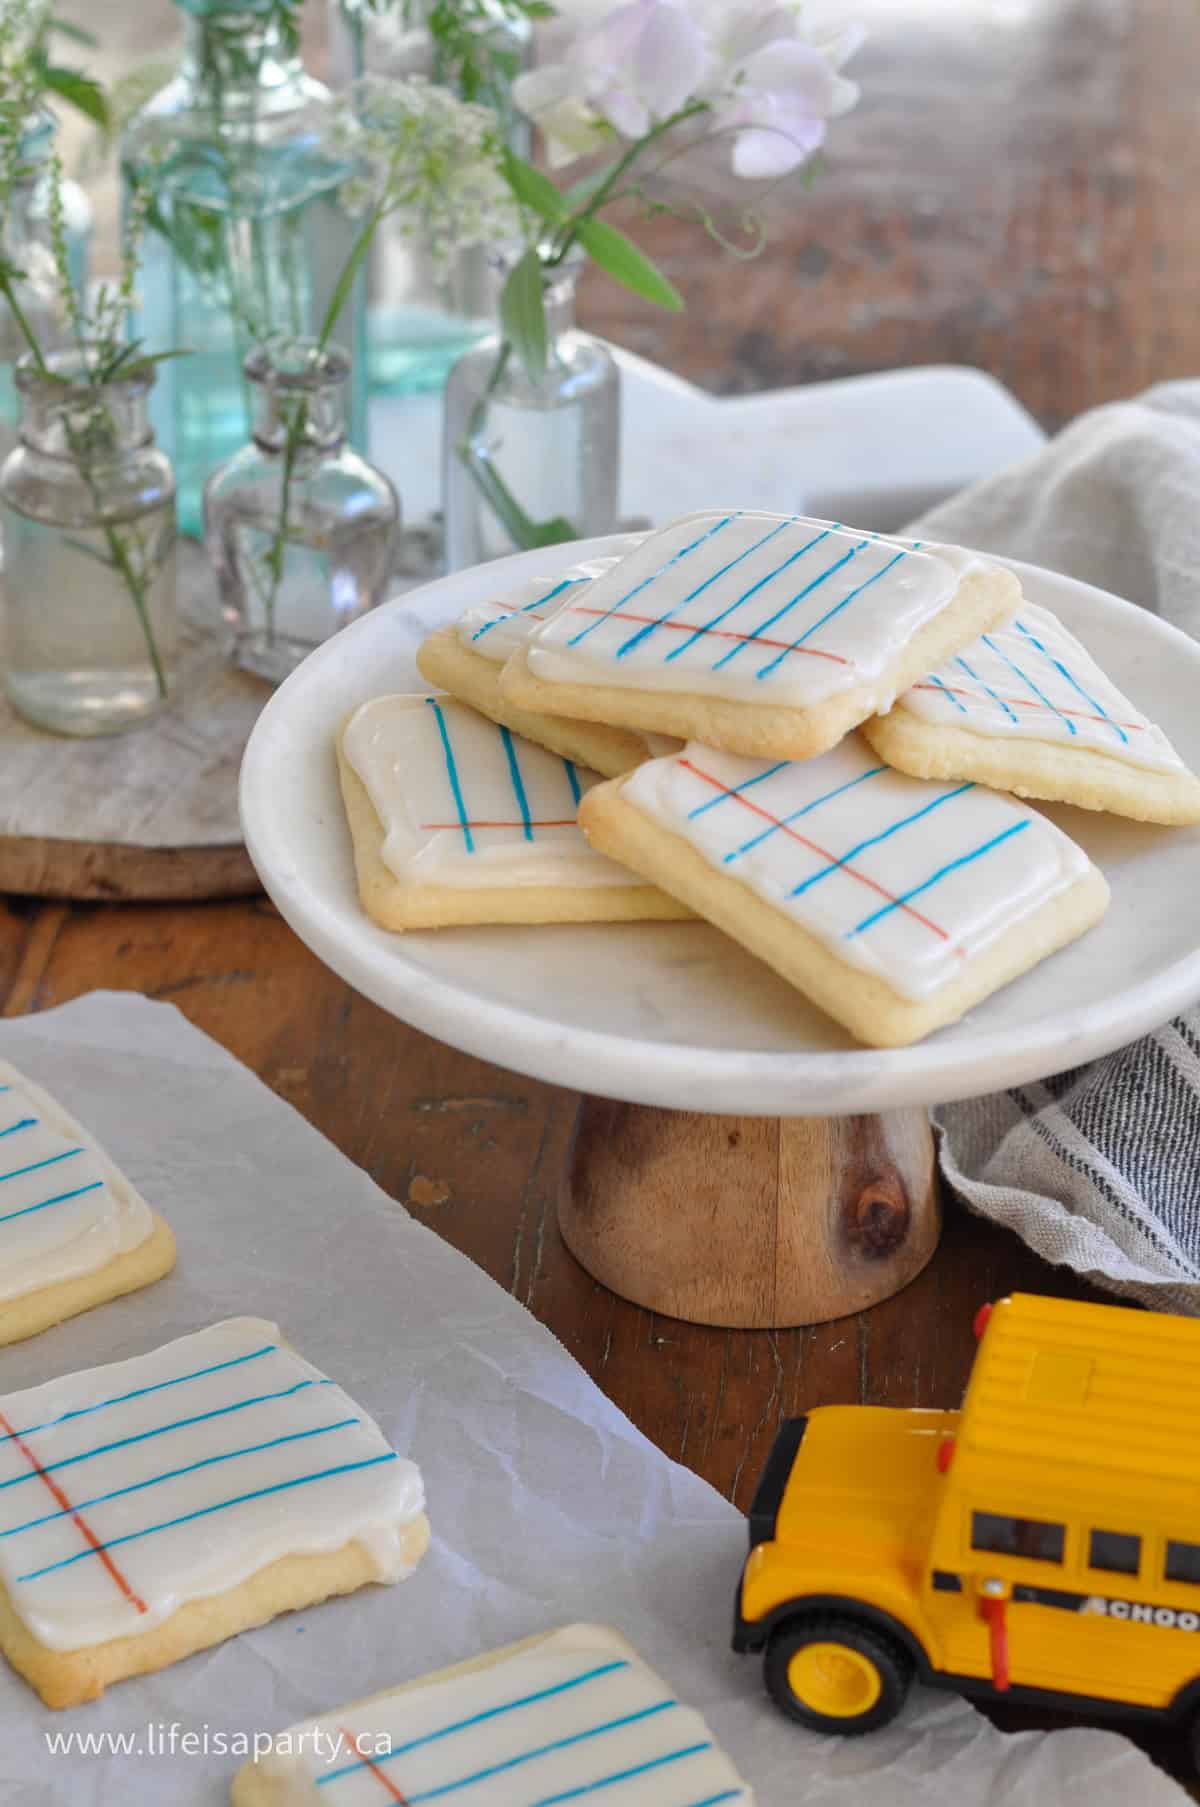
[457, 820]
[570, 1716]
[766, 635]
[467, 658]
[155, 1507]
[1027, 709]
[73, 1232]
[893, 904]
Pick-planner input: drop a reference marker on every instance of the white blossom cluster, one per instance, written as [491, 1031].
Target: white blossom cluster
[428, 158]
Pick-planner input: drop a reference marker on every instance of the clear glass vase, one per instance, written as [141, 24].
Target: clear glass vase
[531, 463]
[25, 244]
[301, 531]
[246, 235]
[87, 505]
[423, 317]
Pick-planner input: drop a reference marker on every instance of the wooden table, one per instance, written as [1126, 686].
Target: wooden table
[1014, 193]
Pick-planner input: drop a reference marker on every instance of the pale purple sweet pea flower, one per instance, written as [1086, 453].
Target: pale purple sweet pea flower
[783, 95]
[642, 64]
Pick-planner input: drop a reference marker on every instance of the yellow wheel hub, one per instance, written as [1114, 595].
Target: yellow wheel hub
[834, 1680]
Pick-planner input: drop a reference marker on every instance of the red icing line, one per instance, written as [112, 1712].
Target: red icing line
[1022, 702]
[814, 848]
[374, 1768]
[718, 633]
[77, 1519]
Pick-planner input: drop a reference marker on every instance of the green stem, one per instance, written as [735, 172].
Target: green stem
[520, 526]
[118, 553]
[23, 327]
[569, 231]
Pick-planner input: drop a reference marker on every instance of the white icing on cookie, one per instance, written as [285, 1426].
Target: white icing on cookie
[65, 1210]
[577, 1714]
[127, 1491]
[465, 803]
[757, 607]
[496, 630]
[902, 878]
[1029, 679]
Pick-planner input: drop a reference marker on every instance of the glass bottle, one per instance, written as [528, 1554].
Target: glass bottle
[525, 462]
[423, 318]
[246, 235]
[25, 243]
[300, 530]
[87, 505]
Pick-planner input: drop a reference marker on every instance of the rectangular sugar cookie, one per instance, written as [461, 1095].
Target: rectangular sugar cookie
[467, 659]
[894, 905]
[766, 635]
[575, 1714]
[73, 1232]
[456, 820]
[157, 1506]
[1027, 709]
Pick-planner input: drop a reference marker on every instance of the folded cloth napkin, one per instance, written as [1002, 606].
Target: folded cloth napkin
[1099, 1169]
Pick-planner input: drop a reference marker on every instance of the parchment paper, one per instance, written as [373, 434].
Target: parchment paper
[547, 1505]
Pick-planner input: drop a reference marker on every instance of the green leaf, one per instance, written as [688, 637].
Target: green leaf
[583, 190]
[534, 190]
[523, 314]
[75, 34]
[620, 258]
[78, 91]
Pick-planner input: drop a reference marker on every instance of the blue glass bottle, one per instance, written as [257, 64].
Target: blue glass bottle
[25, 239]
[245, 235]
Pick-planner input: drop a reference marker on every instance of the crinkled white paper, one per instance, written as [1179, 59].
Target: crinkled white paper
[547, 1505]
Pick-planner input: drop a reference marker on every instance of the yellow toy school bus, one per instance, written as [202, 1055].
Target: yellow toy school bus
[1042, 1543]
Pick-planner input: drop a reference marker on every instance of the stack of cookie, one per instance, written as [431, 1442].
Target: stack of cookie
[812, 735]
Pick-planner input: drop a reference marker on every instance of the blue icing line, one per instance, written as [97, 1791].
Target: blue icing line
[647, 581]
[976, 679]
[36, 1166]
[61, 1198]
[528, 607]
[875, 839]
[1029, 683]
[1071, 679]
[188, 1518]
[815, 584]
[965, 859]
[786, 821]
[644, 632]
[482, 1718]
[573, 781]
[452, 773]
[745, 597]
[159, 1386]
[518, 783]
[765, 670]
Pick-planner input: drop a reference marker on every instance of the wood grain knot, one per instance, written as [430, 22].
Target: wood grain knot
[877, 1220]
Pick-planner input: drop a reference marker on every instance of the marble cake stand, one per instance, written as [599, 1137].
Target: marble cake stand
[738, 1160]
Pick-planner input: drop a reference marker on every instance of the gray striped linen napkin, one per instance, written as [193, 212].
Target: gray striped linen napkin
[1098, 1169]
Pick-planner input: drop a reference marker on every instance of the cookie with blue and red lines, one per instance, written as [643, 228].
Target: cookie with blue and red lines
[892, 903]
[1026, 708]
[766, 635]
[456, 820]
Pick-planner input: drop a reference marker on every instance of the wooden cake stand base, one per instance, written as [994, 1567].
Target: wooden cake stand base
[750, 1222]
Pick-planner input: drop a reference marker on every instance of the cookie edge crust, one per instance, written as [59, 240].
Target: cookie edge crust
[1035, 768]
[443, 660]
[771, 730]
[253, 1787]
[861, 1002]
[396, 907]
[30, 1313]
[69, 1678]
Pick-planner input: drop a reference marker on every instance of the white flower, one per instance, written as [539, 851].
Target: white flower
[767, 71]
[628, 72]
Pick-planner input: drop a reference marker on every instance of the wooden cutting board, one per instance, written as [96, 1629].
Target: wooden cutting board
[149, 815]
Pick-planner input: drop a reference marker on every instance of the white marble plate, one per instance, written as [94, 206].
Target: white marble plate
[674, 1014]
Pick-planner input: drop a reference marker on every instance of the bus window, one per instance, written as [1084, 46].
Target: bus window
[1117, 1551]
[1004, 1536]
[1183, 1562]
